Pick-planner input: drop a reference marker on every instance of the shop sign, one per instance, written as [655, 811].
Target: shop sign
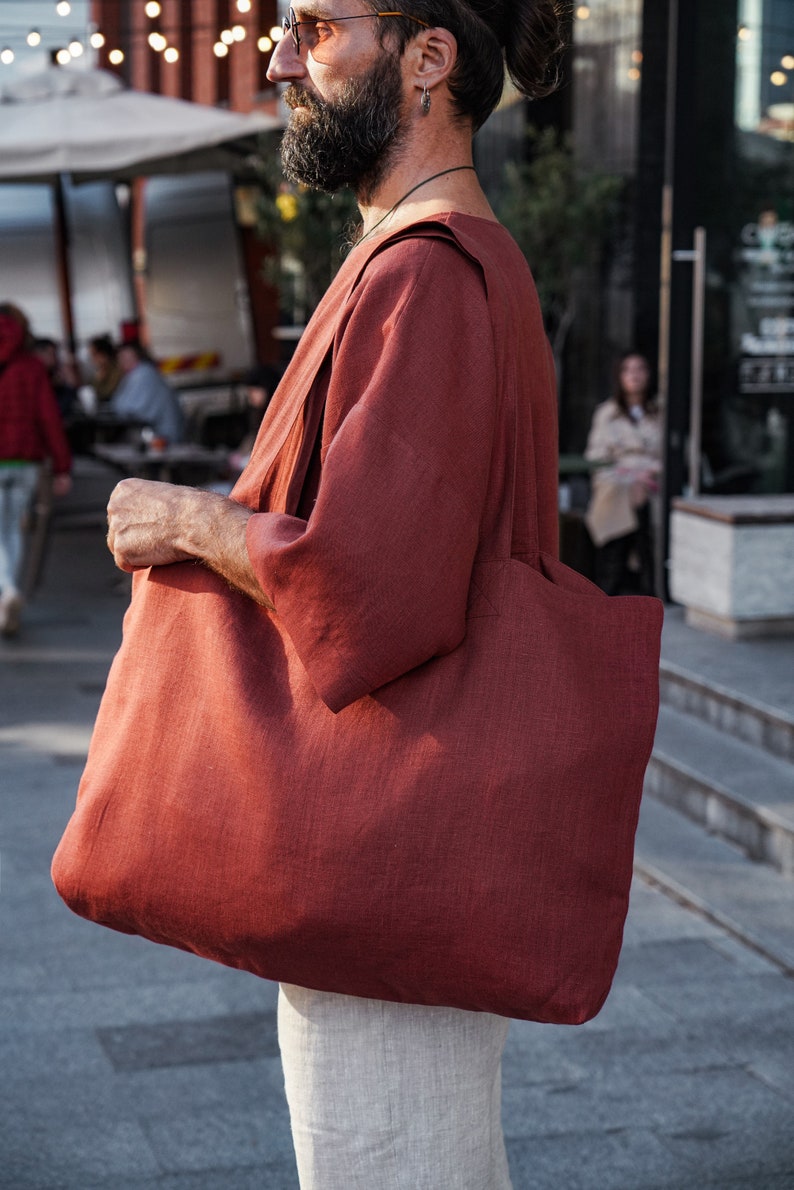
[766, 306]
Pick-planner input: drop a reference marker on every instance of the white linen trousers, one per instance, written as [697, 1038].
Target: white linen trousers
[392, 1096]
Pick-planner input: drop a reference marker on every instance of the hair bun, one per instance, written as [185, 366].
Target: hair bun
[494, 14]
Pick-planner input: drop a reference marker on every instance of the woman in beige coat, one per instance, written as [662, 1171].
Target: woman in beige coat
[625, 438]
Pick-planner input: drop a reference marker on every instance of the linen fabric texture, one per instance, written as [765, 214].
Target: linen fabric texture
[419, 1106]
[418, 779]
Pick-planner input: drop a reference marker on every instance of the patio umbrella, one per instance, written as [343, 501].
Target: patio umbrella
[86, 124]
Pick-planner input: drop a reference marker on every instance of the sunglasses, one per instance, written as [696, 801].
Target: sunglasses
[291, 24]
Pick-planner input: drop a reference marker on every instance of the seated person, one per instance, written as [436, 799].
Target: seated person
[260, 384]
[106, 371]
[63, 378]
[144, 395]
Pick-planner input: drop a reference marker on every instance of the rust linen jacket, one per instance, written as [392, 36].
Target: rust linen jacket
[406, 365]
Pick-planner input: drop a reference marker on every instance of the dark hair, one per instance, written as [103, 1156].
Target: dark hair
[525, 35]
[620, 396]
[9, 310]
[138, 348]
[262, 376]
[103, 345]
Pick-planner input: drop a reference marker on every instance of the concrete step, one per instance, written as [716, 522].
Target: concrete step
[736, 790]
[737, 713]
[705, 873]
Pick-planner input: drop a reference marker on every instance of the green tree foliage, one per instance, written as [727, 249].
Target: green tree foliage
[562, 218]
[305, 227]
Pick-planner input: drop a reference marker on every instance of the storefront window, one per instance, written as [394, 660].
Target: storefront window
[758, 409]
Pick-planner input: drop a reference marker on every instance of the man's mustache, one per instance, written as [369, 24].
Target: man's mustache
[295, 96]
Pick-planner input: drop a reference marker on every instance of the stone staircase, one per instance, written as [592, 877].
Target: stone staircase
[717, 822]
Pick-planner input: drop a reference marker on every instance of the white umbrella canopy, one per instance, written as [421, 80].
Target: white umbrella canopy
[87, 124]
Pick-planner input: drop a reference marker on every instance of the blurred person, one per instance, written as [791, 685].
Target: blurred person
[63, 378]
[261, 382]
[31, 431]
[106, 373]
[143, 395]
[626, 438]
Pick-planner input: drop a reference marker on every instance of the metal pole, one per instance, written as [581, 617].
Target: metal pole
[697, 256]
[696, 387]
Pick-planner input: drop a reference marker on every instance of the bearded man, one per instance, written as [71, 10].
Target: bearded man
[376, 480]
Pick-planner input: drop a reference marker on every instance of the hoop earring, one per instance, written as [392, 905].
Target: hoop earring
[425, 100]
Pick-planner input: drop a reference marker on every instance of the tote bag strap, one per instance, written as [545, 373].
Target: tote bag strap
[522, 531]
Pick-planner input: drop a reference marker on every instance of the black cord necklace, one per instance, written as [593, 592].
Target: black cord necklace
[453, 170]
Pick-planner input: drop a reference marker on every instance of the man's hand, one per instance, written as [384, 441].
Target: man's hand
[145, 523]
[155, 524]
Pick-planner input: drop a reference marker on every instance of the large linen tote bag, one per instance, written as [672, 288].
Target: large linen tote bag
[474, 850]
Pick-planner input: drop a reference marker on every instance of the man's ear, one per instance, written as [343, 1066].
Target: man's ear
[431, 57]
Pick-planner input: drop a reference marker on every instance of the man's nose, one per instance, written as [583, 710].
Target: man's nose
[285, 62]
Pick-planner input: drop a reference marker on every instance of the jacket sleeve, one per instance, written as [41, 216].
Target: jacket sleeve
[601, 441]
[376, 581]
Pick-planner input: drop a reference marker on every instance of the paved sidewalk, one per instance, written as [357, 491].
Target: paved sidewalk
[128, 1066]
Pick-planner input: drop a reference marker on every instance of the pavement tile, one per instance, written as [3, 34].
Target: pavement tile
[239, 1038]
[57, 1156]
[237, 1136]
[624, 1160]
[157, 1093]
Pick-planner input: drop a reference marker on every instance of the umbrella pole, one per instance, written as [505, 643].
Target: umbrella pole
[62, 265]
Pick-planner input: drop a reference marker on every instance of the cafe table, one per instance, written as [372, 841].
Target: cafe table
[181, 463]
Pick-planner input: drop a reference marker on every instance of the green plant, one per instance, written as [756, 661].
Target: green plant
[562, 217]
[307, 229]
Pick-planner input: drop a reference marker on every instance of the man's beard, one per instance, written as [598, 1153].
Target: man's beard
[348, 140]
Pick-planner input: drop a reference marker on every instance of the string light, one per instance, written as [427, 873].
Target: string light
[744, 33]
[583, 12]
[787, 61]
[778, 79]
[158, 42]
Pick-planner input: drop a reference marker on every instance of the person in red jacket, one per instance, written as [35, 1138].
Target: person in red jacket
[31, 431]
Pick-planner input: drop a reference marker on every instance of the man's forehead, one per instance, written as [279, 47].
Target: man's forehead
[318, 10]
